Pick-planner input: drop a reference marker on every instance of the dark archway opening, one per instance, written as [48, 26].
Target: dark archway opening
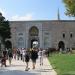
[61, 45]
[33, 37]
[8, 44]
[34, 43]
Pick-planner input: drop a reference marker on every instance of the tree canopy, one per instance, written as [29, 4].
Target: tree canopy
[70, 7]
[4, 28]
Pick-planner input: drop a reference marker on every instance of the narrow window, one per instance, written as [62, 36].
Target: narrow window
[63, 35]
[71, 35]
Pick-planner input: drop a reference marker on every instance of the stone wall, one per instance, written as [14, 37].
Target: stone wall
[50, 32]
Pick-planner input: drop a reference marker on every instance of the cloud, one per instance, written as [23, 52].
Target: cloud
[28, 16]
[22, 18]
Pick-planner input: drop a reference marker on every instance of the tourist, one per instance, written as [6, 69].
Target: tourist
[18, 54]
[34, 56]
[41, 54]
[14, 53]
[27, 57]
[3, 61]
[4, 57]
[10, 56]
[23, 54]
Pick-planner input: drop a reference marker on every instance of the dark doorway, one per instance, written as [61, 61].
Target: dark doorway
[33, 37]
[8, 44]
[34, 43]
[61, 45]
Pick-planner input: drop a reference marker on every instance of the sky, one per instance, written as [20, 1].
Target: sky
[14, 10]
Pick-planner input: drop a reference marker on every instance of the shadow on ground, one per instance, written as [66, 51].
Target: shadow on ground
[16, 72]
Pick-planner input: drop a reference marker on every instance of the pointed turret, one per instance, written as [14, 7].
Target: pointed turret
[58, 14]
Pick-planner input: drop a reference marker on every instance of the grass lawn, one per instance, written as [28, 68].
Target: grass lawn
[64, 64]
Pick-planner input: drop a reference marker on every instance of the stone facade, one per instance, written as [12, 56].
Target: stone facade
[48, 33]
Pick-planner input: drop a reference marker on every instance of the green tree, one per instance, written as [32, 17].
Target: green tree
[70, 7]
[4, 29]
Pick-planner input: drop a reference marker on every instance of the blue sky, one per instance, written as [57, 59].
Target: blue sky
[33, 9]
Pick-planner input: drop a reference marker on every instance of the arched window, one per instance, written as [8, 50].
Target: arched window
[20, 42]
[71, 35]
[33, 31]
[63, 34]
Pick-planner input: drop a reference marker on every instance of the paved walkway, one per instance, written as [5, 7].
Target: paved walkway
[18, 67]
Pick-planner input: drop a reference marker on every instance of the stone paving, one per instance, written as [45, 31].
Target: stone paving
[18, 67]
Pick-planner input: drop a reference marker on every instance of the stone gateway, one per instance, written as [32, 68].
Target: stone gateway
[43, 34]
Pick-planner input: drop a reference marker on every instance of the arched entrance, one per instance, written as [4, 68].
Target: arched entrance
[34, 43]
[8, 44]
[33, 37]
[61, 45]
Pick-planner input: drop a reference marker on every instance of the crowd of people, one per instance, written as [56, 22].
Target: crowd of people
[23, 54]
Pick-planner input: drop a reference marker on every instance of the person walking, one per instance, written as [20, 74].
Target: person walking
[4, 58]
[10, 56]
[23, 54]
[34, 56]
[27, 57]
[3, 61]
[18, 54]
[41, 54]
